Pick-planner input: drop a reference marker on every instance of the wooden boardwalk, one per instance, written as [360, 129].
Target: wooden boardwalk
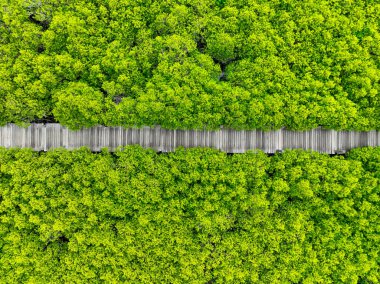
[43, 137]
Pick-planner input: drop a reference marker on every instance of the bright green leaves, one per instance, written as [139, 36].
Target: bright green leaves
[121, 69]
[78, 105]
[221, 47]
[175, 48]
[182, 63]
[175, 83]
[25, 97]
[190, 216]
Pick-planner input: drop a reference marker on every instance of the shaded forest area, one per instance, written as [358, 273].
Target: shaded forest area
[191, 63]
[192, 216]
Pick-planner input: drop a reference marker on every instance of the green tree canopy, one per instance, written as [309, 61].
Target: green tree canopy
[193, 216]
[300, 64]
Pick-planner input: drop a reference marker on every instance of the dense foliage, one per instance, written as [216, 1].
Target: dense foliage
[192, 216]
[191, 63]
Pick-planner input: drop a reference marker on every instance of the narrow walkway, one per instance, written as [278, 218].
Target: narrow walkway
[43, 137]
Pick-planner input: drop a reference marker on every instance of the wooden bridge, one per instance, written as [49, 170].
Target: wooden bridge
[42, 137]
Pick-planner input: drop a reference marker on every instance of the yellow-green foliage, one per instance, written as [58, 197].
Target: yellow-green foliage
[192, 63]
[192, 216]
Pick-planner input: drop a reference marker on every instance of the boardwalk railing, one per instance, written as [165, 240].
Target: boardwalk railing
[42, 137]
